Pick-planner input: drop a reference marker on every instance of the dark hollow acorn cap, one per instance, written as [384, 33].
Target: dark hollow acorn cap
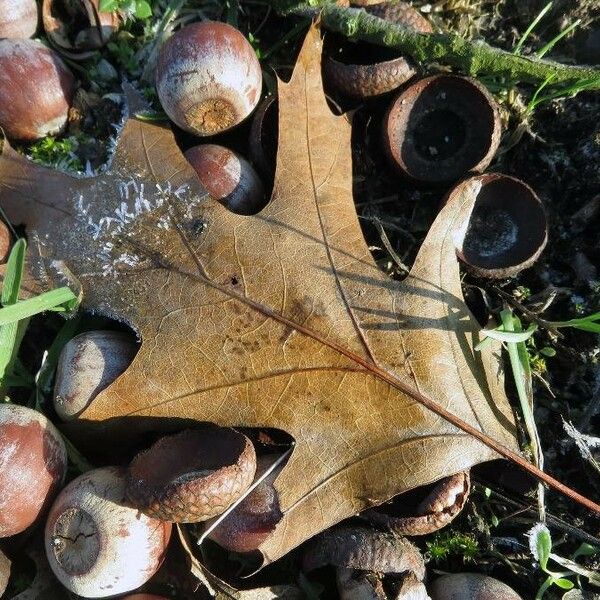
[264, 135]
[440, 128]
[193, 475]
[507, 229]
[358, 80]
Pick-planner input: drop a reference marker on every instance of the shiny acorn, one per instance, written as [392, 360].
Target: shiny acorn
[441, 128]
[33, 462]
[507, 229]
[96, 544]
[228, 178]
[88, 364]
[193, 475]
[77, 27]
[350, 76]
[208, 78]
[18, 18]
[36, 90]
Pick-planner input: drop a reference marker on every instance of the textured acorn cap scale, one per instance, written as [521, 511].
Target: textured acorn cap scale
[355, 79]
[193, 475]
[507, 229]
[441, 128]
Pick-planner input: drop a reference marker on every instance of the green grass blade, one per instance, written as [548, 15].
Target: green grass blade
[14, 273]
[38, 304]
[545, 49]
[9, 334]
[531, 27]
[502, 335]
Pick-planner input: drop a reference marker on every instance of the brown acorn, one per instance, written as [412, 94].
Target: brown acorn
[88, 364]
[5, 240]
[193, 475]
[77, 27]
[18, 18]
[507, 230]
[441, 128]
[36, 90]
[228, 178]
[352, 77]
[470, 586]
[208, 78]
[33, 463]
[251, 522]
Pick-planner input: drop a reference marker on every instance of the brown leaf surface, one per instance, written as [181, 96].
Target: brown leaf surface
[271, 320]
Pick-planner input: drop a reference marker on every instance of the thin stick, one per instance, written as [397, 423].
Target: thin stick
[224, 515]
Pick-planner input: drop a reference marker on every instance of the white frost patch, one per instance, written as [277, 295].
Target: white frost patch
[136, 199]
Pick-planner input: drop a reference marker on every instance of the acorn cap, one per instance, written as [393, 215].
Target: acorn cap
[368, 80]
[440, 128]
[442, 505]
[507, 229]
[193, 475]
[78, 28]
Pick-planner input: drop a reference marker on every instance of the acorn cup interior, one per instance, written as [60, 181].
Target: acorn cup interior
[507, 229]
[440, 128]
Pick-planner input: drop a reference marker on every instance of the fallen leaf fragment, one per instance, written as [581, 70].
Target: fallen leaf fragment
[278, 320]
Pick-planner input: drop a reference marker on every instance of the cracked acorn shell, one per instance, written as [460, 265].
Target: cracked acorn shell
[352, 78]
[507, 230]
[36, 90]
[97, 544]
[208, 78]
[33, 462]
[441, 128]
[77, 27]
[228, 178]
[193, 475]
[18, 18]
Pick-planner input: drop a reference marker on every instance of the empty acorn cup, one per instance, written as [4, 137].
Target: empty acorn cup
[507, 228]
[350, 75]
[193, 475]
[441, 128]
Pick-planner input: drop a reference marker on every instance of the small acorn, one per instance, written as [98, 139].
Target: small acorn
[18, 18]
[470, 586]
[251, 522]
[98, 545]
[228, 178]
[88, 364]
[441, 128]
[36, 90]
[353, 77]
[208, 78]
[33, 463]
[507, 229]
[5, 241]
[193, 475]
[77, 27]
[5, 566]
[144, 597]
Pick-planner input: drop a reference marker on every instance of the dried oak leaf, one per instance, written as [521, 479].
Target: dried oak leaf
[278, 320]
